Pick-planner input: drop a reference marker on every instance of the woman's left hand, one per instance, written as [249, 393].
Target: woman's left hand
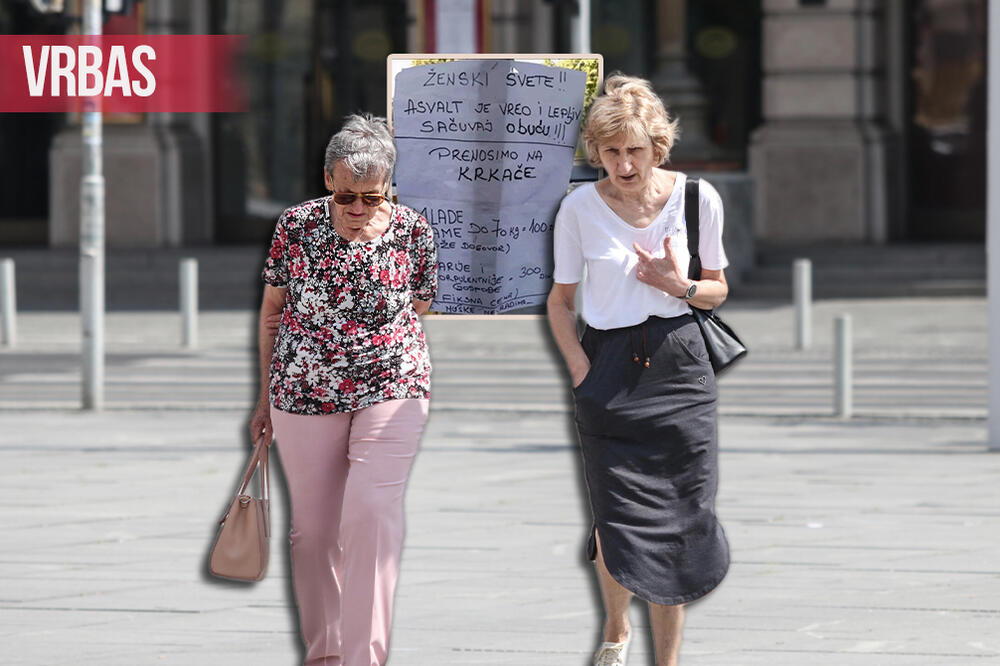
[421, 307]
[661, 272]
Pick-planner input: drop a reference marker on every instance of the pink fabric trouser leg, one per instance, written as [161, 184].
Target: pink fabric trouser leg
[346, 476]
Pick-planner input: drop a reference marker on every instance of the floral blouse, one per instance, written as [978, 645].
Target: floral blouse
[349, 336]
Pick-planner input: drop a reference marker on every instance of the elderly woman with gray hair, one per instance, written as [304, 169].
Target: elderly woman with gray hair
[345, 381]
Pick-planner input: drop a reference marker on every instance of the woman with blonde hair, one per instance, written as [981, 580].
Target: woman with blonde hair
[644, 388]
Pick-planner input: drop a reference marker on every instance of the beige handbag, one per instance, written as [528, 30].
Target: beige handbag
[242, 546]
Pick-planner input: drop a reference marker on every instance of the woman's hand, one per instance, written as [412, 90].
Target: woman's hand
[579, 373]
[661, 273]
[421, 307]
[260, 422]
[664, 274]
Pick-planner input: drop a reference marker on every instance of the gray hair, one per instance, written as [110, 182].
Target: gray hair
[365, 146]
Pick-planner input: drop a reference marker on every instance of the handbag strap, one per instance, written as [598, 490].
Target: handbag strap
[691, 204]
[259, 456]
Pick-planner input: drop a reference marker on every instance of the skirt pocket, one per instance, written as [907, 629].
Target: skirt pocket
[586, 379]
[690, 341]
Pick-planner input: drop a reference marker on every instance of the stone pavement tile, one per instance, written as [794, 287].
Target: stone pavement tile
[860, 542]
[869, 537]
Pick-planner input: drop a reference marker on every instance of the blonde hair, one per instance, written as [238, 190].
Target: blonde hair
[629, 106]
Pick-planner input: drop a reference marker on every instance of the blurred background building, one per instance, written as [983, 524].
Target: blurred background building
[848, 121]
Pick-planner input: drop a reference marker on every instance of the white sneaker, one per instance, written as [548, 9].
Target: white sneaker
[611, 654]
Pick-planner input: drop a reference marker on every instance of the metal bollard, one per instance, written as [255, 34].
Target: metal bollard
[189, 302]
[8, 303]
[802, 296]
[843, 369]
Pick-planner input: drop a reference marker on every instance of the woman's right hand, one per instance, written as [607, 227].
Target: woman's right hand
[260, 422]
[579, 374]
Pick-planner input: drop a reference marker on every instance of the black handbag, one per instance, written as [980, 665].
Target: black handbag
[723, 345]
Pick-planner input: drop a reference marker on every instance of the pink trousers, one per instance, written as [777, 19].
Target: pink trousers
[346, 476]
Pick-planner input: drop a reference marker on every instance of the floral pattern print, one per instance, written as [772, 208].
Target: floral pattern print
[349, 337]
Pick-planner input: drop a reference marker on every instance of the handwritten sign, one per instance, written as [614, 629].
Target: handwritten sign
[485, 154]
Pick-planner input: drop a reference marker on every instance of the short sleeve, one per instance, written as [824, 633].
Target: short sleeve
[710, 250]
[423, 255]
[275, 271]
[568, 252]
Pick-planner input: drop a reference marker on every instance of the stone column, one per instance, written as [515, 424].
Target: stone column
[158, 171]
[184, 141]
[510, 26]
[818, 160]
[680, 90]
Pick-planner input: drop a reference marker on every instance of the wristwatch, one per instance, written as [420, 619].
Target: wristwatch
[689, 294]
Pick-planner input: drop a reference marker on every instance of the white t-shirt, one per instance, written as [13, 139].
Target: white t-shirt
[588, 233]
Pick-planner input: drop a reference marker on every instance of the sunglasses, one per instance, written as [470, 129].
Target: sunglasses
[370, 199]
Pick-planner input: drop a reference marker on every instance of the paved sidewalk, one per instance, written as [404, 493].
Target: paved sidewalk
[865, 543]
[871, 542]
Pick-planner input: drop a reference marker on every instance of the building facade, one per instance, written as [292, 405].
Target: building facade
[857, 121]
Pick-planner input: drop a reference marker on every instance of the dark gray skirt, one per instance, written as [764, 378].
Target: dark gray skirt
[650, 452]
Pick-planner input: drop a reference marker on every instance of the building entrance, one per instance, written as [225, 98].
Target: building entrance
[947, 121]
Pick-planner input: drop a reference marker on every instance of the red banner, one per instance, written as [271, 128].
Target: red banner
[122, 73]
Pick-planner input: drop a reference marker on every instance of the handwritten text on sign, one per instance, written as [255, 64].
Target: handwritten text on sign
[485, 153]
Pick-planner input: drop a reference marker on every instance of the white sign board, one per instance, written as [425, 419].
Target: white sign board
[485, 154]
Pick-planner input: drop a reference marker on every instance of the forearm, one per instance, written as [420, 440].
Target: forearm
[265, 350]
[709, 294]
[562, 322]
[270, 307]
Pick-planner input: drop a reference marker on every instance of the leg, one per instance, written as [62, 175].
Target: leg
[616, 601]
[383, 442]
[313, 453]
[667, 624]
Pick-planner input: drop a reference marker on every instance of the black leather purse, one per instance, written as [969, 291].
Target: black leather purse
[723, 345]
